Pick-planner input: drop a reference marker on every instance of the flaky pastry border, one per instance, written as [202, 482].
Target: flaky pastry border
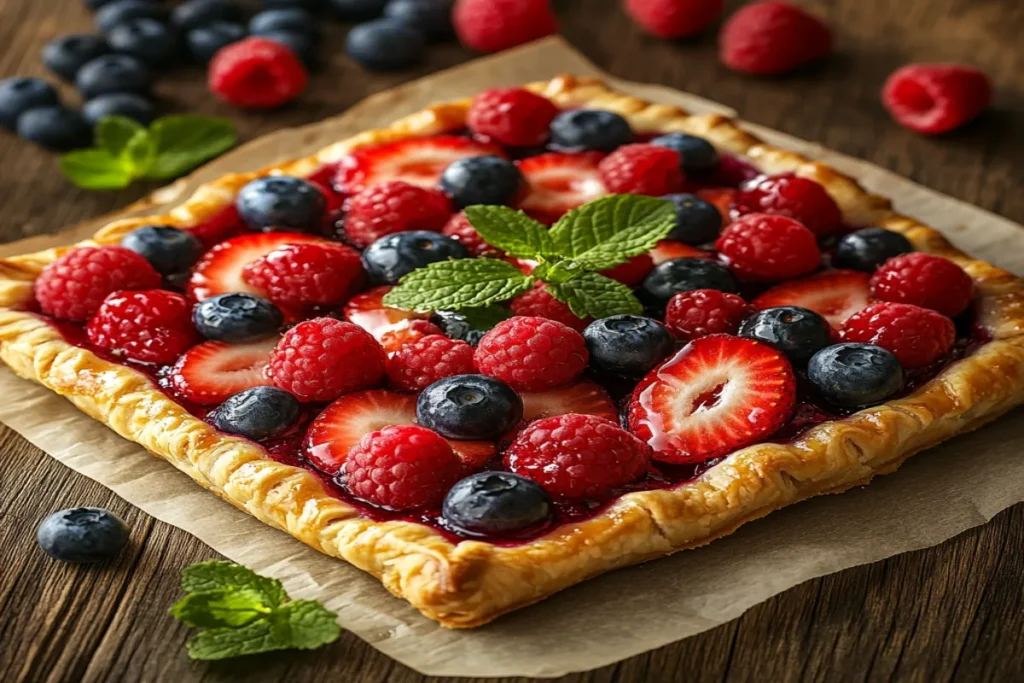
[470, 583]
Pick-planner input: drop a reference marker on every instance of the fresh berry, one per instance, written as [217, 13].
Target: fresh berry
[196, 13]
[213, 371]
[258, 413]
[65, 55]
[558, 183]
[397, 339]
[356, 10]
[702, 312]
[495, 25]
[578, 456]
[152, 42]
[74, 286]
[532, 353]
[221, 270]
[469, 406]
[580, 130]
[394, 207]
[495, 504]
[868, 248]
[282, 203]
[833, 294]
[674, 18]
[129, 105]
[698, 221]
[289, 19]
[55, 128]
[148, 326]
[304, 45]
[797, 332]
[256, 73]
[936, 98]
[367, 310]
[539, 303]
[205, 41]
[627, 345]
[771, 37]
[392, 257]
[668, 250]
[419, 364]
[297, 275]
[512, 116]
[168, 249]
[855, 375]
[469, 325]
[82, 535]
[583, 397]
[923, 280]
[18, 95]
[323, 358]
[684, 275]
[385, 45]
[402, 467]
[699, 156]
[113, 74]
[764, 248]
[430, 17]
[642, 169]
[459, 228]
[789, 195]
[112, 14]
[718, 394]
[632, 272]
[236, 318]
[724, 198]
[917, 336]
[481, 180]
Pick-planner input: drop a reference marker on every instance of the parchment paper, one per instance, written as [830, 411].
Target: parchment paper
[934, 496]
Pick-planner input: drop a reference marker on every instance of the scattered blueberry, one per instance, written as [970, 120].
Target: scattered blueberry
[698, 221]
[167, 249]
[384, 45]
[204, 42]
[627, 345]
[236, 318]
[684, 275]
[469, 324]
[18, 95]
[304, 45]
[131, 106]
[64, 56]
[495, 503]
[481, 180]
[120, 11]
[797, 332]
[96, 4]
[699, 156]
[149, 41]
[868, 248]
[82, 535]
[281, 203]
[393, 256]
[258, 413]
[469, 407]
[113, 73]
[431, 17]
[195, 13]
[356, 10]
[855, 375]
[585, 129]
[292, 20]
[55, 128]
[308, 5]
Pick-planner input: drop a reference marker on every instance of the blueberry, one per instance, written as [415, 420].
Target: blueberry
[308, 5]
[699, 156]
[431, 17]
[292, 20]
[204, 42]
[64, 56]
[131, 106]
[120, 11]
[797, 332]
[868, 248]
[469, 407]
[393, 256]
[356, 10]
[150, 41]
[469, 324]
[113, 73]
[495, 503]
[855, 375]
[481, 180]
[586, 129]
[302, 44]
[82, 535]
[258, 413]
[236, 318]
[384, 45]
[698, 221]
[55, 128]
[281, 203]
[167, 249]
[627, 345]
[684, 275]
[195, 13]
[18, 95]
[96, 4]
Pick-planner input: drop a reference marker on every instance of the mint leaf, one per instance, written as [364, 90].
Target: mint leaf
[183, 142]
[463, 283]
[113, 133]
[95, 169]
[137, 155]
[512, 231]
[217, 574]
[224, 643]
[221, 607]
[305, 624]
[300, 625]
[596, 296]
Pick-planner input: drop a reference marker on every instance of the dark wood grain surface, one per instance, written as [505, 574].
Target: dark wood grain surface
[953, 612]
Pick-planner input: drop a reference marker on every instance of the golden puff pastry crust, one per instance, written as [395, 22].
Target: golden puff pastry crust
[466, 584]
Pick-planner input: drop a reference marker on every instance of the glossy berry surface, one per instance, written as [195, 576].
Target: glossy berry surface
[854, 375]
[772, 37]
[393, 207]
[424, 361]
[936, 98]
[168, 249]
[698, 221]
[470, 407]
[642, 169]
[82, 535]
[392, 257]
[699, 156]
[701, 312]
[674, 18]
[512, 116]
[431, 17]
[356, 10]
[74, 286]
[129, 105]
[203, 42]
[797, 332]
[924, 280]
[281, 203]
[531, 354]
[799, 198]
[313, 274]
[151, 42]
[18, 95]
[868, 248]
[469, 325]
[539, 303]
[459, 228]
[55, 128]
[195, 13]
[236, 318]
[582, 130]
[481, 180]
[768, 248]
[119, 11]
[385, 45]
[256, 73]
[684, 275]
[287, 19]
[496, 504]
[494, 25]
[65, 55]
[113, 74]
[627, 345]
[148, 326]
[917, 336]
[258, 413]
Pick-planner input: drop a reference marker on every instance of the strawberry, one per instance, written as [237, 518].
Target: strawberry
[559, 183]
[632, 272]
[583, 397]
[834, 294]
[670, 249]
[212, 371]
[369, 312]
[718, 394]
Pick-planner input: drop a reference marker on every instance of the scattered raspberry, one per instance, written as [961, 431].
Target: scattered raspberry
[391, 207]
[323, 358]
[256, 73]
[764, 248]
[512, 116]
[789, 195]
[314, 274]
[771, 38]
[701, 312]
[936, 98]
[74, 286]
[674, 18]
[917, 336]
[419, 364]
[401, 335]
[578, 456]
[493, 25]
[532, 354]
[632, 272]
[149, 326]
[642, 169]
[539, 303]
[402, 467]
[459, 228]
[923, 280]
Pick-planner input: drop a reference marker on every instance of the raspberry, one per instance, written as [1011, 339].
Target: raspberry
[532, 354]
[764, 248]
[923, 280]
[789, 195]
[771, 38]
[149, 326]
[539, 303]
[314, 274]
[323, 358]
[493, 25]
[642, 169]
[916, 336]
[419, 364]
[256, 73]
[511, 116]
[578, 456]
[632, 272]
[936, 98]
[394, 340]
[74, 286]
[394, 206]
[402, 467]
[701, 312]
[459, 228]
[674, 18]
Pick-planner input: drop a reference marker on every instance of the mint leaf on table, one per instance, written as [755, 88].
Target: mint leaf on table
[462, 283]
[113, 133]
[512, 231]
[221, 607]
[208, 576]
[183, 142]
[596, 296]
[298, 625]
[95, 169]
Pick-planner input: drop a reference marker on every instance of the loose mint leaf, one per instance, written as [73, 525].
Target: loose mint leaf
[305, 624]
[512, 231]
[95, 169]
[596, 296]
[224, 643]
[216, 574]
[458, 284]
[183, 142]
[221, 607]
[137, 156]
[113, 133]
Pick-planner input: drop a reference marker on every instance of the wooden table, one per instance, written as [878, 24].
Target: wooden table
[953, 612]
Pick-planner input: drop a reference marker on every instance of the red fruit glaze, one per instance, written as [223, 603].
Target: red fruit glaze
[397, 339]
[834, 294]
[584, 398]
[74, 286]
[391, 207]
[532, 354]
[766, 38]
[788, 195]
[698, 313]
[511, 116]
[936, 98]
[559, 182]
[642, 169]
[211, 372]
[674, 18]
[764, 248]
[539, 303]
[495, 25]
[256, 73]
[148, 326]
[917, 336]
[923, 280]
[419, 364]
[367, 310]
[297, 275]
[670, 249]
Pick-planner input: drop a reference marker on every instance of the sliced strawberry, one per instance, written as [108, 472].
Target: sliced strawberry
[632, 272]
[369, 312]
[718, 394]
[583, 397]
[559, 183]
[417, 161]
[212, 371]
[835, 294]
[670, 249]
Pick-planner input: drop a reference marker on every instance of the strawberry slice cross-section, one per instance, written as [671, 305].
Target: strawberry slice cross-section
[209, 373]
[833, 294]
[559, 182]
[584, 398]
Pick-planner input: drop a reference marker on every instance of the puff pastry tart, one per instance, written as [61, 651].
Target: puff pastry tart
[798, 338]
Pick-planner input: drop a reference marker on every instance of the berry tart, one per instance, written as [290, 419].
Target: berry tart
[512, 342]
